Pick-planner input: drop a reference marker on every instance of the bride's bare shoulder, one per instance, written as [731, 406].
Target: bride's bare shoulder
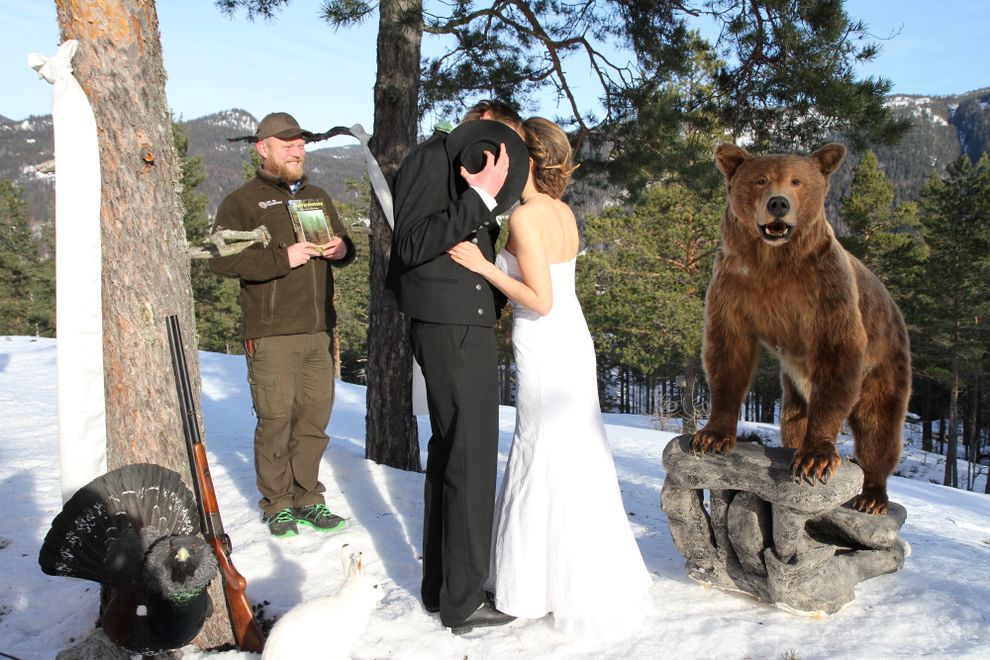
[525, 214]
[539, 208]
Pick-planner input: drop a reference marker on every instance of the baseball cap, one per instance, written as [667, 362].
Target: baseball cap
[281, 125]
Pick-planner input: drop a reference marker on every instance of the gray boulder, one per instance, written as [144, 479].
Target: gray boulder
[95, 646]
[784, 541]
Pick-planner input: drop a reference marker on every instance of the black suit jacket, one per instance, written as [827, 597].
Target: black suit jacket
[435, 210]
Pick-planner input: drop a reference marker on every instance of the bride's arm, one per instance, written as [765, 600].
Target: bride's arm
[535, 291]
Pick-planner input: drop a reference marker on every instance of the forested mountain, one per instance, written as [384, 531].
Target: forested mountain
[943, 128]
[24, 146]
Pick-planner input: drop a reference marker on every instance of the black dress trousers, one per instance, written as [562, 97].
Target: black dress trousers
[459, 363]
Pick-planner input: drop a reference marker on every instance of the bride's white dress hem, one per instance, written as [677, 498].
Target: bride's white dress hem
[562, 541]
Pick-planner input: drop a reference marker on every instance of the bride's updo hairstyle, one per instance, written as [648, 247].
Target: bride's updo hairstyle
[551, 154]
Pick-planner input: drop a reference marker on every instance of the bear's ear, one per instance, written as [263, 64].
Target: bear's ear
[728, 157]
[829, 157]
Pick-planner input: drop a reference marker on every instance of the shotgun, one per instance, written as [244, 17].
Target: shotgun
[246, 631]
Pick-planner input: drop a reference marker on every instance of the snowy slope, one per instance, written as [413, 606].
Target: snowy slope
[936, 606]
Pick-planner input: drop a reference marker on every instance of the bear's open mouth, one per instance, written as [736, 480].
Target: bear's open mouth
[777, 230]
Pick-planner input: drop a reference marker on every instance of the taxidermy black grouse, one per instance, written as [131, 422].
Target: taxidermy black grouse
[134, 530]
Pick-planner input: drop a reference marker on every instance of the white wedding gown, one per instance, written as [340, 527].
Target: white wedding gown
[562, 542]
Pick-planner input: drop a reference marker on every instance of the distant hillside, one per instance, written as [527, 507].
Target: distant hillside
[943, 128]
[24, 145]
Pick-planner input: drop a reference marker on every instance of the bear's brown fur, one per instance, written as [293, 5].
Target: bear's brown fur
[782, 279]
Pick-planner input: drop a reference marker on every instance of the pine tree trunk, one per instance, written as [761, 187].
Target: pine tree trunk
[769, 409]
[969, 437]
[978, 424]
[625, 404]
[652, 401]
[926, 418]
[145, 266]
[951, 467]
[392, 437]
[964, 414]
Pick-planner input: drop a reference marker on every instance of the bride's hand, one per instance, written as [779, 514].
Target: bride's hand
[468, 255]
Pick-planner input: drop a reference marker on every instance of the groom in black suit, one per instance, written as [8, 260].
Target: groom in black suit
[449, 189]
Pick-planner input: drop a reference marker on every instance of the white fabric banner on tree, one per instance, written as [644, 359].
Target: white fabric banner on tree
[78, 286]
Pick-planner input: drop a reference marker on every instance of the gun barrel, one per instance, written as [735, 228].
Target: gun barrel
[247, 633]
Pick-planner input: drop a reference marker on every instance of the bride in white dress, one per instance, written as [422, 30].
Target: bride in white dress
[562, 542]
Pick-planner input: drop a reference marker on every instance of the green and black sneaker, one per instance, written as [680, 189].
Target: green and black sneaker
[319, 517]
[282, 525]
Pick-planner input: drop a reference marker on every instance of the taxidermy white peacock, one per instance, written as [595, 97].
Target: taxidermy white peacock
[134, 531]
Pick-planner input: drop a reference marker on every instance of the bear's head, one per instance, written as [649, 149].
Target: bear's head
[773, 196]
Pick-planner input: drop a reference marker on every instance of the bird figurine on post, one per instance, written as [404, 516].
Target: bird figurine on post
[134, 531]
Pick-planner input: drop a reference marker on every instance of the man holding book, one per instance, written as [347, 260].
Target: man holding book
[287, 322]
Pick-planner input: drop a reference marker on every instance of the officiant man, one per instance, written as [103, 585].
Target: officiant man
[287, 325]
[448, 190]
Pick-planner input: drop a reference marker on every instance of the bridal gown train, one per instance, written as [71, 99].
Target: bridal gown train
[561, 541]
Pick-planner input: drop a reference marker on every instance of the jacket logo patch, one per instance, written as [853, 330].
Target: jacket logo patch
[271, 202]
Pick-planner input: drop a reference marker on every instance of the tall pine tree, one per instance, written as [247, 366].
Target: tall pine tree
[145, 273]
[351, 288]
[956, 220]
[887, 239]
[890, 242]
[643, 277]
[27, 298]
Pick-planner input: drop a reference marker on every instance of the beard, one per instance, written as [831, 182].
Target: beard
[289, 171]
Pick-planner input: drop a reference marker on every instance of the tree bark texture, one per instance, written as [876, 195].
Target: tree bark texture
[392, 437]
[145, 266]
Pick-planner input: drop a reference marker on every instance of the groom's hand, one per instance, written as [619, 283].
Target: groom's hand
[492, 175]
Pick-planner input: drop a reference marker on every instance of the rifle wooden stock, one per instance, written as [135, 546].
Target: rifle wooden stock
[246, 630]
[247, 634]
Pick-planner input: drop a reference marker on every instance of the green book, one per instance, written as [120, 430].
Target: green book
[309, 221]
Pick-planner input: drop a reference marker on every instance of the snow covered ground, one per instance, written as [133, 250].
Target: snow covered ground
[938, 605]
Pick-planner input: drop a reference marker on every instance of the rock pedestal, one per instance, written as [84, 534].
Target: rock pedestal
[783, 541]
[96, 646]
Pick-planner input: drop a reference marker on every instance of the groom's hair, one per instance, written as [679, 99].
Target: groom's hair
[499, 110]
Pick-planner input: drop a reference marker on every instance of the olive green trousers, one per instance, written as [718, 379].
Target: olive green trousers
[291, 378]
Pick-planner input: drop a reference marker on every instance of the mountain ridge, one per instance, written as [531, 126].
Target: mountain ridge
[943, 128]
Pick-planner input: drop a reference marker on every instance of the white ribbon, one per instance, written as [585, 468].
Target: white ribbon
[78, 287]
[378, 183]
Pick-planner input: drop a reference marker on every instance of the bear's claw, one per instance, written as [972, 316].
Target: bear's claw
[815, 465]
[872, 500]
[712, 442]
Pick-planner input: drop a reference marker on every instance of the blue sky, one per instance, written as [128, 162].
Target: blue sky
[326, 78]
